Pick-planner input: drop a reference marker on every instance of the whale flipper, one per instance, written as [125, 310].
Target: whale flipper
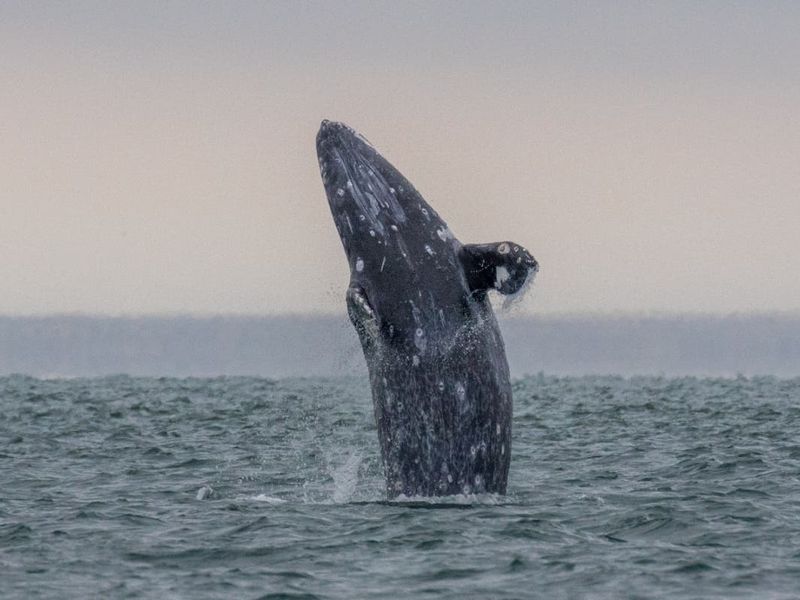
[501, 266]
[361, 313]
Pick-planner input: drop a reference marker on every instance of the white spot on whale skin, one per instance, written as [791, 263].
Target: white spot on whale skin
[391, 190]
[501, 276]
[340, 192]
[443, 233]
[383, 262]
[415, 360]
[440, 385]
[449, 478]
[419, 340]
[393, 227]
[502, 449]
[349, 184]
[372, 232]
[359, 265]
[429, 250]
[497, 429]
[504, 248]
[362, 217]
[461, 393]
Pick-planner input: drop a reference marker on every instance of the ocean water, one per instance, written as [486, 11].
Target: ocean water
[253, 488]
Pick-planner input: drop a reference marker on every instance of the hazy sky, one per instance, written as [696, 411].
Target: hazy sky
[159, 157]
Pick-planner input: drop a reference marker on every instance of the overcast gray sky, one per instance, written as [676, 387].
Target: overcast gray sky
[159, 157]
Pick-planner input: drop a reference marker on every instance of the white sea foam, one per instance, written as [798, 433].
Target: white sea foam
[204, 492]
[460, 499]
[267, 499]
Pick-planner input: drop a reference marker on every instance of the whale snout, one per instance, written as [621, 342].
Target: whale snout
[327, 124]
[331, 129]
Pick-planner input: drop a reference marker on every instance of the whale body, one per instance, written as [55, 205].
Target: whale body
[418, 300]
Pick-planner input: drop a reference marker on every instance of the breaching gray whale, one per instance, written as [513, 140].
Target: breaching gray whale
[418, 300]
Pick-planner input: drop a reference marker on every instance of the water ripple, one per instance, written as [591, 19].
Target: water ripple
[643, 488]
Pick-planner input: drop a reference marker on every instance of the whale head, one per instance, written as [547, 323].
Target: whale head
[408, 272]
[403, 258]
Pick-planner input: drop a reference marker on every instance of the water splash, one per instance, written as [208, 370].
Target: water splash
[512, 301]
[452, 501]
[345, 478]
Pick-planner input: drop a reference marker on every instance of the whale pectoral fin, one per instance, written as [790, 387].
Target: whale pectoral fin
[360, 310]
[502, 266]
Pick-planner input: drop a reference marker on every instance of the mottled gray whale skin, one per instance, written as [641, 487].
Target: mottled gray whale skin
[418, 300]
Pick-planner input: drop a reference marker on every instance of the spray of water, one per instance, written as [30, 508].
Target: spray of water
[512, 301]
[345, 478]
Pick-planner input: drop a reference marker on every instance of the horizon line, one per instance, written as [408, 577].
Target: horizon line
[555, 315]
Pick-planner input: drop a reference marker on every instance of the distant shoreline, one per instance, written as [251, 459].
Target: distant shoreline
[312, 345]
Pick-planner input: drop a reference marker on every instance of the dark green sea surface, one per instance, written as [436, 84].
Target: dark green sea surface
[252, 488]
